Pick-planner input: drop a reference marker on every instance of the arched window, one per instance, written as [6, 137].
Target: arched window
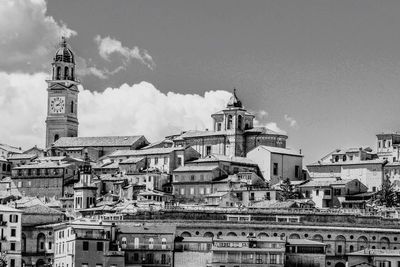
[336, 158]
[136, 243]
[123, 242]
[229, 124]
[164, 243]
[240, 121]
[41, 240]
[8, 167]
[72, 106]
[56, 137]
[151, 243]
[72, 74]
[58, 73]
[66, 74]
[4, 167]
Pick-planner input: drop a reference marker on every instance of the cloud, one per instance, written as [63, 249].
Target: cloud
[28, 36]
[262, 114]
[292, 122]
[108, 46]
[139, 109]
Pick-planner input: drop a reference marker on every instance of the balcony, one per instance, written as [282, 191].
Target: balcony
[147, 247]
[114, 254]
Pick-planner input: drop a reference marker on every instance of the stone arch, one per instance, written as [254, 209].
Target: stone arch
[294, 236]
[340, 264]
[384, 243]
[40, 263]
[208, 234]
[262, 235]
[362, 243]
[318, 238]
[340, 245]
[186, 234]
[66, 73]
[41, 242]
[231, 234]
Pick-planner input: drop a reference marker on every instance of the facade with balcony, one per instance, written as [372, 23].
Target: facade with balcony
[10, 235]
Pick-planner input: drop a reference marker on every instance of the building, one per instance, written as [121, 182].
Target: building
[86, 243]
[10, 235]
[6, 150]
[233, 133]
[277, 164]
[49, 179]
[96, 147]
[330, 193]
[146, 244]
[5, 168]
[21, 159]
[388, 146]
[244, 251]
[62, 113]
[374, 257]
[305, 253]
[85, 190]
[193, 251]
[353, 163]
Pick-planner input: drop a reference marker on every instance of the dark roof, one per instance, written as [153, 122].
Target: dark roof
[98, 141]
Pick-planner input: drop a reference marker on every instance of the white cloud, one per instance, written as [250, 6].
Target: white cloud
[262, 114]
[127, 110]
[292, 122]
[28, 36]
[108, 46]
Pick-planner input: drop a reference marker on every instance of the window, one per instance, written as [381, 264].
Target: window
[274, 258]
[337, 191]
[344, 158]
[151, 243]
[240, 122]
[327, 192]
[164, 243]
[13, 232]
[339, 249]
[192, 190]
[275, 170]
[336, 158]
[163, 259]
[201, 191]
[13, 218]
[165, 160]
[192, 177]
[99, 246]
[72, 106]
[182, 191]
[50, 245]
[136, 243]
[208, 190]
[12, 263]
[218, 126]
[156, 160]
[317, 192]
[374, 189]
[12, 246]
[85, 245]
[296, 171]
[208, 150]
[229, 124]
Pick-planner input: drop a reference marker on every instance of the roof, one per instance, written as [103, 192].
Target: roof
[11, 149]
[376, 252]
[44, 165]
[195, 168]
[143, 152]
[268, 204]
[322, 182]
[4, 208]
[218, 194]
[146, 229]
[306, 242]
[263, 130]
[217, 158]
[341, 163]
[98, 141]
[41, 209]
[192, 133]
[21, 156]
[131, 160]
[278, 150]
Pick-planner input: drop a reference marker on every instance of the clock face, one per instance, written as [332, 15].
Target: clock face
[57, 104]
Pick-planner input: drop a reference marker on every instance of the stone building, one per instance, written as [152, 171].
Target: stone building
[357, 163]
[147, 245]
[5, 168]
[86, 243]
[10, 235]
[233, 134]
[278, 164]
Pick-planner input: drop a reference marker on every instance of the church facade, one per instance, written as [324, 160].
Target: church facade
[233, 133]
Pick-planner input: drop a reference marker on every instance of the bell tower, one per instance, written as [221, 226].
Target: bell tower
[62, 96]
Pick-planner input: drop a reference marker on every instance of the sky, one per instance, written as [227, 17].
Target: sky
[326, 72]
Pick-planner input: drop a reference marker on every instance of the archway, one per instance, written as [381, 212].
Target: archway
[231, 234]
[294, 236]
[40, 263]
[40, 244]
[384, 243]
[208, 234]
[318, 238]
[362, 243]
[262, 234]
[340, 245]
[186, 234]
[340, 264]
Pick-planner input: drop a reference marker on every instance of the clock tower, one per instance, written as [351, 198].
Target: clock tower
[62, 96]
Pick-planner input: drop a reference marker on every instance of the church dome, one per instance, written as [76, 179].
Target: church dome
[64, 53]
[234, 101]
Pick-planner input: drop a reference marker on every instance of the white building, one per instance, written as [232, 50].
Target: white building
[10, 235]
[277, 164]
[353, 163]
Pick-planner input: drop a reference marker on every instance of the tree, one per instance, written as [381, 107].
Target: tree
[387, 195]
[288, 190]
